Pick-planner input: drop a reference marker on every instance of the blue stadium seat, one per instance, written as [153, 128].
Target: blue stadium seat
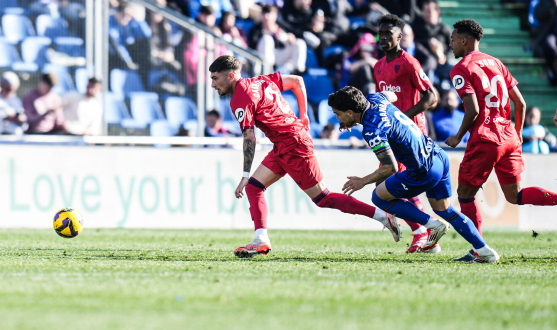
[311, 60]
[180, 110]
[81, 80]
[72, 46]
[356, 132]
[318, 85]
[145, 109]
[245, 24]
[33, 50]
[326, 114]
[16, 27]
[356, 22]
[115, 110]
[124, 82]
[8, 54]
[226, 111]
[162, 128]
[8, 3]
[156, 75]
[65, 82]
[292, 101]
[332, 50]
[51, 27]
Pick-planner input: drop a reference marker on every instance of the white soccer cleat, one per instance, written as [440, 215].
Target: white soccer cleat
[435, 235]
[392, 225]
[435, 249]
[491, 257]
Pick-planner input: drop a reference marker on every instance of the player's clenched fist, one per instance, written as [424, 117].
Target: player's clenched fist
[353, 184]
[240, 190]
[452, 141]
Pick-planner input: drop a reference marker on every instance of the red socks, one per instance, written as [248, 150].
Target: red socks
[416, 201]
[469, 207]
[536, 196]
[257, 205]
[343, 203]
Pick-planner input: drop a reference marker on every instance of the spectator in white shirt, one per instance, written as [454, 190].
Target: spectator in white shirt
[12, 117]
[83, 113]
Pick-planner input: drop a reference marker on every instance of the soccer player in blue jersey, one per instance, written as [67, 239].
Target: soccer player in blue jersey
[395, 137]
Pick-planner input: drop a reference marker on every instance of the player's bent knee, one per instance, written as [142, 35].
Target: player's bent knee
[379, 202]
[254, 187]
[449, 214]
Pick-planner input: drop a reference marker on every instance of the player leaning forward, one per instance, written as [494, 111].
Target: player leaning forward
[258, 102]
[395, 137]
[485, 86]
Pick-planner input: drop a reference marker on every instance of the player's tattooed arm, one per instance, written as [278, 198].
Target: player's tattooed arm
[249, 148]
[389, 166]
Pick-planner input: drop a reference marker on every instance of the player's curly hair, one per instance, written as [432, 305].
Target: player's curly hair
[348, 98]
[470, 27]
[392, 19]
[225, 63]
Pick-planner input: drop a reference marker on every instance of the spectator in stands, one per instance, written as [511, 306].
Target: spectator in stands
[334, 11]
[208, 18]
[43, 108]
[359, 63]
[230, 32]
[422, 54]
[299, 18]
[13, 119]
[536, 138]
[329, 132]
[129, 40]
[278, 47]
[72, 11]
[546, 15]
[180, 6]
[218, 7]
[214, 124]
[83, 112]
[405, 9]
[434, 35]
[447, 120]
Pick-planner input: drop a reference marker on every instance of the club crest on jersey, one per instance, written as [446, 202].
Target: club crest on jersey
[388, 88]
[458, 81]
[397, 67]
[240, 114]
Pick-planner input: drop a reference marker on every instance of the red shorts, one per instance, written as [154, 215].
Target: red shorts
[300, 163]
[480, 159]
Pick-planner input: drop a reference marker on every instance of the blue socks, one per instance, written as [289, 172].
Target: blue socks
[463, 225]
[402, 209]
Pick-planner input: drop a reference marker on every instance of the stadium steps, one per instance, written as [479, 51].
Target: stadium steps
[504, 39]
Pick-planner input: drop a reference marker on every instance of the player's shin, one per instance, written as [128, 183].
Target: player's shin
[347, 204]
[258, 207]
[402, 209]
[469, 207]
[536, 196]
[464, 226]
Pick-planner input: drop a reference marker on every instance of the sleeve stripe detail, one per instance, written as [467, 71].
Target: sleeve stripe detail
[248, 127]
[381, 150]
[382, 145]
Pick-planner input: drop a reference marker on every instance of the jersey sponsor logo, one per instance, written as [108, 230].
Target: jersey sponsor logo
[240, 114]
[458, 81]
[374, 142]
[388, 88]
[423, 75]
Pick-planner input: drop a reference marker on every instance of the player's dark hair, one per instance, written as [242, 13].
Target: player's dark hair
[50, 79]
[392, 19]
[225, 63]
[469, 27]
[348, 98]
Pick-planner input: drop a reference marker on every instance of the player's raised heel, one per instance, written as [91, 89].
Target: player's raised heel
[252, 249]
[392, 225]
[435, 235]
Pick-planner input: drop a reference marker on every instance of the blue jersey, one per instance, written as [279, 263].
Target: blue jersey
[386, 127]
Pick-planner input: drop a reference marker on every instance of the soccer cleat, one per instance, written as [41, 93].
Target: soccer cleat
[418, 241]
[435, 249]
[392, 225]
[435, 235]
[252, 249]
[491, 257]
[467, 257]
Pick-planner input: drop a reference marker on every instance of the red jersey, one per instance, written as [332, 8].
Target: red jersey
[484, 75]
[258, 102]
[405, 77]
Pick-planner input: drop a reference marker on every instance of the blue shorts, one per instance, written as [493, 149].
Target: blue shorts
[436, 183]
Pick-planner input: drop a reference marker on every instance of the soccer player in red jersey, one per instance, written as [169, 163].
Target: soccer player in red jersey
[258, 102]
[485, 86]
[401, 73]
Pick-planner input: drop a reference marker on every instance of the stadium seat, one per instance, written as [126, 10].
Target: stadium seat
[16, 27]
[356, 132]
[124, 82]
[326, 114]
[145, 109]
[226, 111]
[65, 82]
[72, 46]
[162, 128]
[51, 27]
[292, 101]
[8, 54]
[180, 110]
[311, 60]
[33, 50]
[115, 110]
[318, 85]
[8, 3]
[245, 24]
[156, 75]
[81, 80]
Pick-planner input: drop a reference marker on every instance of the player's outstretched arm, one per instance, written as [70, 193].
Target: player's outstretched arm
[519, 110]
[472, 110]
[297, 85]
[428, 101]
[388, 167]
[249, 153]
[390, 96]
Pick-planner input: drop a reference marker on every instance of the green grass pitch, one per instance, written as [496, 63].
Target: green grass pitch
[189, 279]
